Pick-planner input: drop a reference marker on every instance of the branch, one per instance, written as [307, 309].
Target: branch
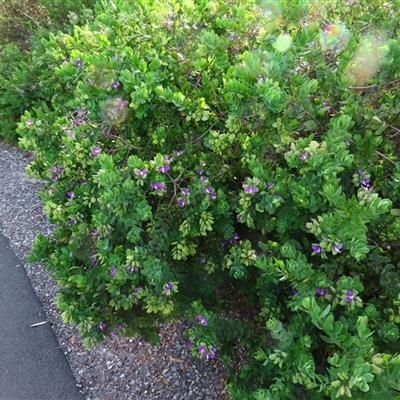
[385, 157]
[373, 87]
[31, 18]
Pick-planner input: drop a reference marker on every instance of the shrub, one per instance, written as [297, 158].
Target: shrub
[26, 77]
[236, 165]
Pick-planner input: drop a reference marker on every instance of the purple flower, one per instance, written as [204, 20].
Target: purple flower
[163, 169]
[185, 191]
[167, 159]
[177, 153]
[140, 172]
[136, 290]
[29, 121]
[224, 243]
[365, 182]
[132, 268]
[269, 185]
[71, 195]
[350, 296]
[71, 222]
[202, 350]
[91, 82]
[101, 326]
[250, 189]
[213, 195]
[113, 333]
[96, 151]
[118, 326]
[321, 291]
[200, 171]
[303, 155]
[361, 172]
[80, 63]
[94, 231]
[316, 248]
[113, 271]
[181, 202]
[158, 186]
[338, 247]
[189, 344]
[203, 179]
[239, 218]
[202, 260]
[212, 353]
[115, 84]
[235, 236]
[168, 286]
[202, 320]
[294, 292]
[57, 171]
[208, 190]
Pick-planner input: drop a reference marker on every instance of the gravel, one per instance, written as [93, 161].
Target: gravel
[119, 368]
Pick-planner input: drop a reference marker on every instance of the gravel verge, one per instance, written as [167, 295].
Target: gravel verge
[119, 368]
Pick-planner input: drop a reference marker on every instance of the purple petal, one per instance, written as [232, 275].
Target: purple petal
[163, 169]
[316, 248]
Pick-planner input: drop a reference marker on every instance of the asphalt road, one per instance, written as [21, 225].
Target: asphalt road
[32, 366]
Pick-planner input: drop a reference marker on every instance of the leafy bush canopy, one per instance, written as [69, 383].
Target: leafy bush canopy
[235, 163]
[26, 77]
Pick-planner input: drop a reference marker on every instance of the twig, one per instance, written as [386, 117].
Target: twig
[208, 130]
[372, 87]
[28, 16]
[385, 157]
[39, 323]
[393, 127]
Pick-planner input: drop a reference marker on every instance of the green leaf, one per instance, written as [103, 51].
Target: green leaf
[325, 312]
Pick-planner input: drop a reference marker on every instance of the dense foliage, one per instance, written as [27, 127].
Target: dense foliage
[26, 78]
[234, 163]
[20, 19]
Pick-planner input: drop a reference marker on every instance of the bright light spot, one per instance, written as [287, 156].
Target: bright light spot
[283, 42]
[368, 58]
[271, 7]
[334, 37]
[114, 111]
[102, 75]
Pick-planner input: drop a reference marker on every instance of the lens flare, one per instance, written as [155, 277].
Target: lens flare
[114, 111]
[270, 6]
[334, 37]
[283, 42]
[367, 58]
[102, 75]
